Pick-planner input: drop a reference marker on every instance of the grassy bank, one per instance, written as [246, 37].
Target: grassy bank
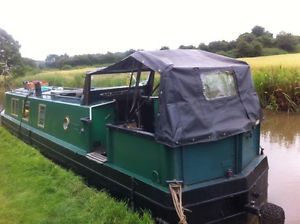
[35, 190]
[277, 81]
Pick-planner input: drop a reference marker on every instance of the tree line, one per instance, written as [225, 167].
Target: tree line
[65, 61]
[258, 42]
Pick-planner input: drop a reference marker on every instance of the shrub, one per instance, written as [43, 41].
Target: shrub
[273, 51]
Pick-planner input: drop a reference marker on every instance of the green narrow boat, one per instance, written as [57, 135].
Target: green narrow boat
[178, 134]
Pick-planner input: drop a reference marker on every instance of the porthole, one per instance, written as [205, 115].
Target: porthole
[66, 123]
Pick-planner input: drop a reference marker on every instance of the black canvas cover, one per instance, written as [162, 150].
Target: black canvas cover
[186, 113]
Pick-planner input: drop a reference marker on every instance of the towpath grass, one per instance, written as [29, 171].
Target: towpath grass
[35, 190]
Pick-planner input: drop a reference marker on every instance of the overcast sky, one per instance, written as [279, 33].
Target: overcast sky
[93, 26]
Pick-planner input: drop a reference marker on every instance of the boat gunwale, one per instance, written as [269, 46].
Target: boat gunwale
[59, 101]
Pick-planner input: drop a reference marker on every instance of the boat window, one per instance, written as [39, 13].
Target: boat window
[218, 84]
[42, 115]
[26, 110]
[155, 90]
[14, 106]
[118, 80]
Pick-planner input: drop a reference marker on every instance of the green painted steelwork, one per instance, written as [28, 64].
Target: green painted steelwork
[250, 146]
[135, 154]
[80, 137]
[207, 161]
[101, 115]
[141, 156]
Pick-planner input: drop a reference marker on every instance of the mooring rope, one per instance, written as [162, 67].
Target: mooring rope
[176, 192]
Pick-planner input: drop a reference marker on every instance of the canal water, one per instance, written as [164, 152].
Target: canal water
[280, 137]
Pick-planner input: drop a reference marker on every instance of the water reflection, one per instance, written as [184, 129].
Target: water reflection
[282, 129]
[280, 136]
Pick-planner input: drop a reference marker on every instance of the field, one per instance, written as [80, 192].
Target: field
[35, 190]
[283, 60]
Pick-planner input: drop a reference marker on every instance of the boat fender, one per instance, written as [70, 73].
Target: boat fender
[272, 214]
[267, 214]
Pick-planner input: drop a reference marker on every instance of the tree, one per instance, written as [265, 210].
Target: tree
[256, 48]
[286, 41]
[263, 36]
[258, 31]
[9, 53]
[248, 37]
[244, 49]
[164, 48]
[203, 46]
[232, 44]
[216, 46]
[266, 40]
[51, 60]
[187, 47]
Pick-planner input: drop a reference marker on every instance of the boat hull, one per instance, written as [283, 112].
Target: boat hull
[218, 201]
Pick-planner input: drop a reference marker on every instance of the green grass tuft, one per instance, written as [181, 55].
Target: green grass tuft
[35, 190]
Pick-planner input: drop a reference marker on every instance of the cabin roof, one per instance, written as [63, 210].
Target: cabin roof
[163, 60]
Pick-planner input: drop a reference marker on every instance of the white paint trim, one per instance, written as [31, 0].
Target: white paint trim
[12, 112]
[39, 115]
[66, 103]
[97, 105]
[49, 100]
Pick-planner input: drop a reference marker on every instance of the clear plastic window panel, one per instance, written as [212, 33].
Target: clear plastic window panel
[218, 84]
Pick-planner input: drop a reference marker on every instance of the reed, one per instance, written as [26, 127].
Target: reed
[70, 78]
[278, 88]
[277, 81]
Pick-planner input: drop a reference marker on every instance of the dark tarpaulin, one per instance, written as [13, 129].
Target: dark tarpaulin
[185, 115]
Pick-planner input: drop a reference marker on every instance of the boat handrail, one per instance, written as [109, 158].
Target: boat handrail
[25, 92]
[61, 96]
